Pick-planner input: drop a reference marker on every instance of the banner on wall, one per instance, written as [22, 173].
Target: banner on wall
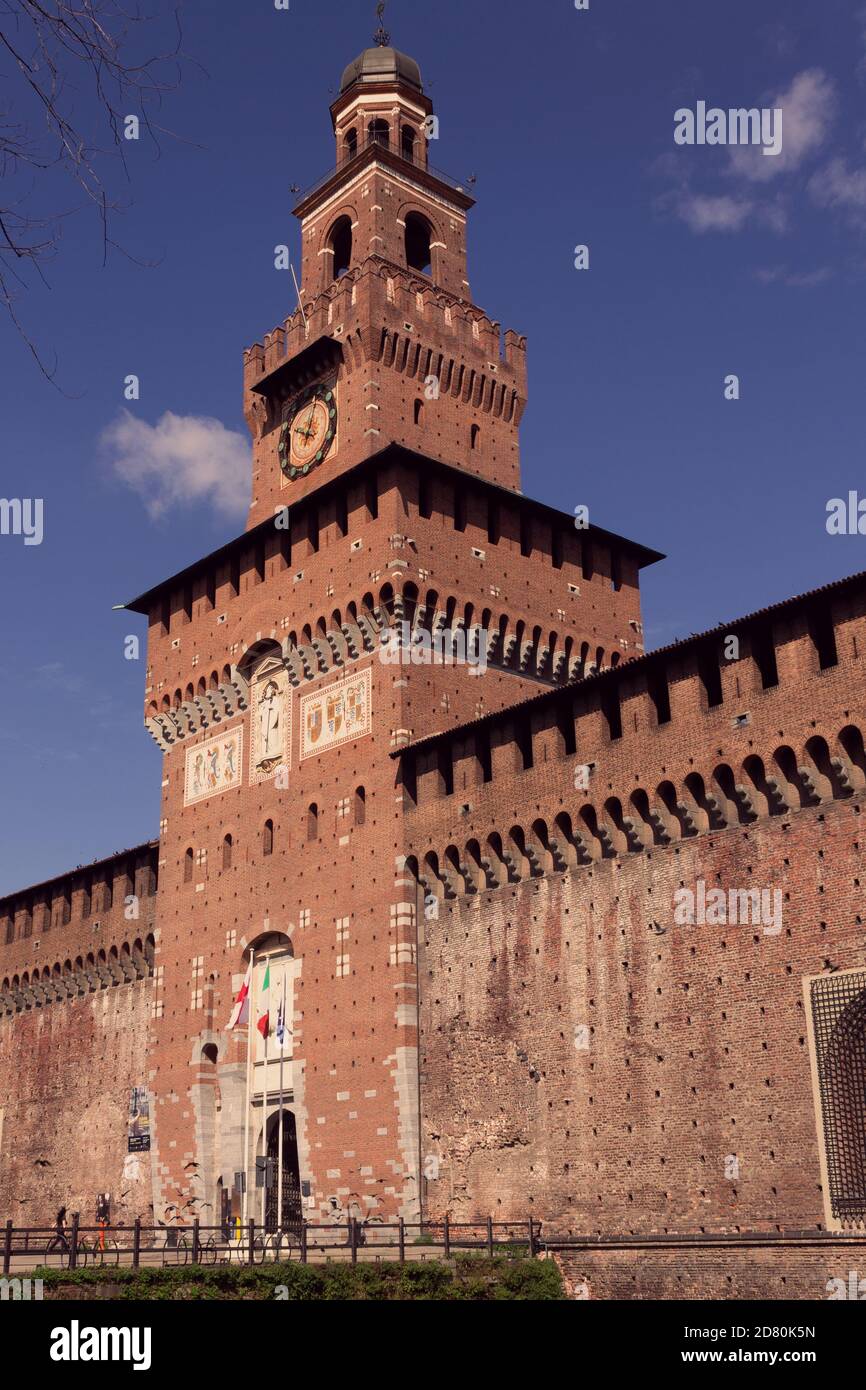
[138, 1134]
[213, 767]
[338, 714]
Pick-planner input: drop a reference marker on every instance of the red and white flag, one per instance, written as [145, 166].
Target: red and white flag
[241, 1010]
[263, 1023]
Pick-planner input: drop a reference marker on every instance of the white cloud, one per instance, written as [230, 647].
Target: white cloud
[838, 186]
[179, 461]
[808, 108]
[808, 105]
[704, 213]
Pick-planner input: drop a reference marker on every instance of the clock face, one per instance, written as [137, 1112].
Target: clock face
[308, 433]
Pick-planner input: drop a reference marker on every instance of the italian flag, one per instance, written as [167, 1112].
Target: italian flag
[241, 1010]
[263, 1022]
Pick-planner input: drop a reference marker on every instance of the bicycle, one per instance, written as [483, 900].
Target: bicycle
[177, 1249]
[103, 1250]
[60, 1244]
[208, 1251]
[274, 1248]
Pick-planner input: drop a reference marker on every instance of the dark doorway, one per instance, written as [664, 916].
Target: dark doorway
[291, 1213]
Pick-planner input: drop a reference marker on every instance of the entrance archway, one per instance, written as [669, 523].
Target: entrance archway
[290, 1188]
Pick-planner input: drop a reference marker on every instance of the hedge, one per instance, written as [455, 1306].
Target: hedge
[466, 1278]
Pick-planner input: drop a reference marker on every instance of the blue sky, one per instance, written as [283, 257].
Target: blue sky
[703, 262]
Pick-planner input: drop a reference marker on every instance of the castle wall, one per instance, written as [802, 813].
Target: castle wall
[76, 999]
[66, 1076]
[751, 1269]
[588, 1056]
[697, 1038]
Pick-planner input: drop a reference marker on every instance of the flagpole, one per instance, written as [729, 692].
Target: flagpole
[282, 1042]
[265, 1122]
[249, 1075]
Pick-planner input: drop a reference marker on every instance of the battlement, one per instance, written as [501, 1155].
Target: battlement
[456, 532]
[431, 310]
[102, 896]
[718, 743]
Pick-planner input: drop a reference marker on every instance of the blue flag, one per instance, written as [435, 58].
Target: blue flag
[281, 1018]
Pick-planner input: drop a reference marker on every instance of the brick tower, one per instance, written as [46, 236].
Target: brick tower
[392, 583]
[555, 927]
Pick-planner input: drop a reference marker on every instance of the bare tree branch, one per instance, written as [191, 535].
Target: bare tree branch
[76, 71]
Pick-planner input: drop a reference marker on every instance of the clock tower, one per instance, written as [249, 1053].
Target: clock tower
[386, 345]
[392, 583]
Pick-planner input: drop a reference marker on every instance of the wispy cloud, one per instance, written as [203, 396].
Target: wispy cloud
[102, 709]
[808, 109]
[742, 197]
[796, 279]
[180, 461]
[55, 676]
[779, 39]
[721, 213]
[838, 186]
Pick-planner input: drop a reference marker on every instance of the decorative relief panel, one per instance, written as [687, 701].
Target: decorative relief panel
[213, 767]
[271, 726]
[338, 714]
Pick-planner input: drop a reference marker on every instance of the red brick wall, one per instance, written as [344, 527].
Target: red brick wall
[781, 1271]
[66, 1072]
[697, 1048]
[75, 1020]
[698, 1038]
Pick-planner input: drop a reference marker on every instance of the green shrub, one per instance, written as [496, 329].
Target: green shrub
[469, 1278]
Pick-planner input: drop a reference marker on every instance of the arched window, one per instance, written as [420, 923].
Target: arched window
[360, 806]
[340, 244]
[187, 866]
[313, 822]
[228, 844]
[418, 235]
[268, 838]
[407, 143]
[419, 412]
[474, 436]
[379, 133]
[351, 143]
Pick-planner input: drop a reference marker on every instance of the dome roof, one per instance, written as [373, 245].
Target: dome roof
[382, 65]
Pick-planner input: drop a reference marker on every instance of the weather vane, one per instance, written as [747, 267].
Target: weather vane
[381, 36]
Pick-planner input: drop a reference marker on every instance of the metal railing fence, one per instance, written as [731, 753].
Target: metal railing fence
[137, 1245]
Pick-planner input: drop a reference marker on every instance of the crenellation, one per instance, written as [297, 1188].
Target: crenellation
[611, 726]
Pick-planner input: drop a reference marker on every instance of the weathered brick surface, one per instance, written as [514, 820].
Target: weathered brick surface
[778, 1271]
[697, 1034]
[76, 993]
[67, 1075]
[697, 1044]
